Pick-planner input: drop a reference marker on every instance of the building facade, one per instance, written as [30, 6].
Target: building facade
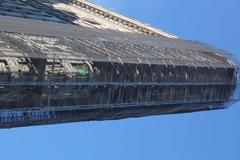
[71, 60]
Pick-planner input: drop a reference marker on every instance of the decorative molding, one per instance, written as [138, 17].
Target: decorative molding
[119, 19]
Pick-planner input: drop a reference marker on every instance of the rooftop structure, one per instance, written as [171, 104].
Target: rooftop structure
[68, 61]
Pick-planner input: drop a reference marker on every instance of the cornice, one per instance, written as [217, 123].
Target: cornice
[119, 19]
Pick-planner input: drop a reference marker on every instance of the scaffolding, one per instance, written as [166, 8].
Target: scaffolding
[49, 79]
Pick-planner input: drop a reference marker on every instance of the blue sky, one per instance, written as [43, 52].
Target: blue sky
[196, 136]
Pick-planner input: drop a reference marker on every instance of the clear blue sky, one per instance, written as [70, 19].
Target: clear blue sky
[211, 135]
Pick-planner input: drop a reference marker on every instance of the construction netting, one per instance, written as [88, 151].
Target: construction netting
[45, 74]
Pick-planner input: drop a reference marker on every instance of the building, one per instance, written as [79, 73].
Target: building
[71, 60]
